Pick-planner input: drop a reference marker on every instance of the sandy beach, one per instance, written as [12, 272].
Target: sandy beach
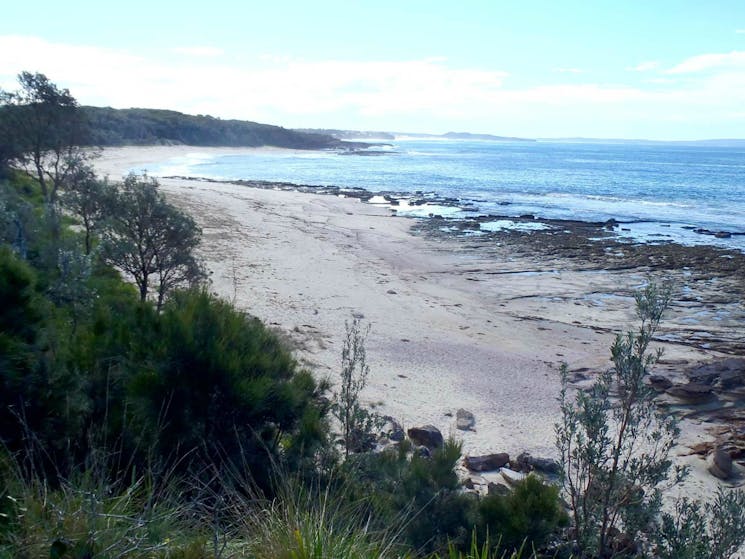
[454, 323]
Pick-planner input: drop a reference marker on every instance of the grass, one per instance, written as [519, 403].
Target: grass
[217, 515]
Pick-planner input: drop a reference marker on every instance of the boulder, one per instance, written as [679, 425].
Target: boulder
[396, 435]
[474, 482]
[487, 462]
[394, 430]
[528, 463]
[692, 392]
[511, 476]
[426, 435]
[720, 464]
[464, 420]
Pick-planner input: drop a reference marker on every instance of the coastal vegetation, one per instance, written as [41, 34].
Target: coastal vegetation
[117, 127]
[142, 416]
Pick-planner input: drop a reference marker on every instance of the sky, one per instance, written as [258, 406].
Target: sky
[668, 70]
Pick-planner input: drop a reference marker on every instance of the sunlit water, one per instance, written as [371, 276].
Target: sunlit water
[664, 190]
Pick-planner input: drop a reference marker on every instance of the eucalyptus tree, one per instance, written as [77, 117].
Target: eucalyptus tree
[88, 198]
[43, 130]
[150, 240]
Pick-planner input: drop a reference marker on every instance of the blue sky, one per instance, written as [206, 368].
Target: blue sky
[660, 69]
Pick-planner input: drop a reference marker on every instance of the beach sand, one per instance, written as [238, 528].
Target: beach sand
[453, 323]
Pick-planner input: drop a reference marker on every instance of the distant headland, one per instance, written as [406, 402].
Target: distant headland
[119, 127]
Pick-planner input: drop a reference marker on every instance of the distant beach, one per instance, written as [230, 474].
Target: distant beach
[457, 321]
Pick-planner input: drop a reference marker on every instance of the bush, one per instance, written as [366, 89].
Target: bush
[615, 451]
[527, 517]
[358, 424]
[419, 493]
[218, 383]
[616, 459]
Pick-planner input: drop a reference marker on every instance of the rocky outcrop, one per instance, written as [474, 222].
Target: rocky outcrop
[723, 374]
[426, 435]
[659, 382]
[692, 393]
[487, 462]
[526, 462]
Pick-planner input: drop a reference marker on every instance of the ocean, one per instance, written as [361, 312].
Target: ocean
[660, 192]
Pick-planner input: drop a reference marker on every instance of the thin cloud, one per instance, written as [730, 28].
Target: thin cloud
[705, 62]
[740, 31]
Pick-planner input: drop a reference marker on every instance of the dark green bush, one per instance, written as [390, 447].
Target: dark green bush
[218, 385]
[530, 514]
[419, 493]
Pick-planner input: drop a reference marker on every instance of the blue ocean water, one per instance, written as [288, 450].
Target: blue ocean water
[664, 190]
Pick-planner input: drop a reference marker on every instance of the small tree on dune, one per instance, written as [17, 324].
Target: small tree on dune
[89, 199]
[150, 240]
[357, 422]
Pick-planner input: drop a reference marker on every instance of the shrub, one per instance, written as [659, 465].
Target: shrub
[615, 450]
[358, 424]
[218, 382]
[524, 518]
[419, 493]
[703, 531]
[615, 453]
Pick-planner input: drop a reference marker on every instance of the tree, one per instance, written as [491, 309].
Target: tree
[43, 129]
[89, 199]
[150, 240]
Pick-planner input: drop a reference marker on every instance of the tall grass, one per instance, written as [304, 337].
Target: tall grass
[307, 521]
[90, 516]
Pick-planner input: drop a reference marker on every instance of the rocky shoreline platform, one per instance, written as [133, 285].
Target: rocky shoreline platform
[466, 317]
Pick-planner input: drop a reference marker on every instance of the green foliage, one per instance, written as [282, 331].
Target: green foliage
[525, 518]
[88, 516]
[220, 382]
[90, 200]
[615, 453]
[150, 240]
[482, 551]
[710, 531]
[312, 523]
[115, 127]
[43, 129]
[615, 450]
[358, 424]
[421, 493]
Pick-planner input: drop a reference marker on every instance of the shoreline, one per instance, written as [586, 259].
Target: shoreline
[478, 322]
[418, 205]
